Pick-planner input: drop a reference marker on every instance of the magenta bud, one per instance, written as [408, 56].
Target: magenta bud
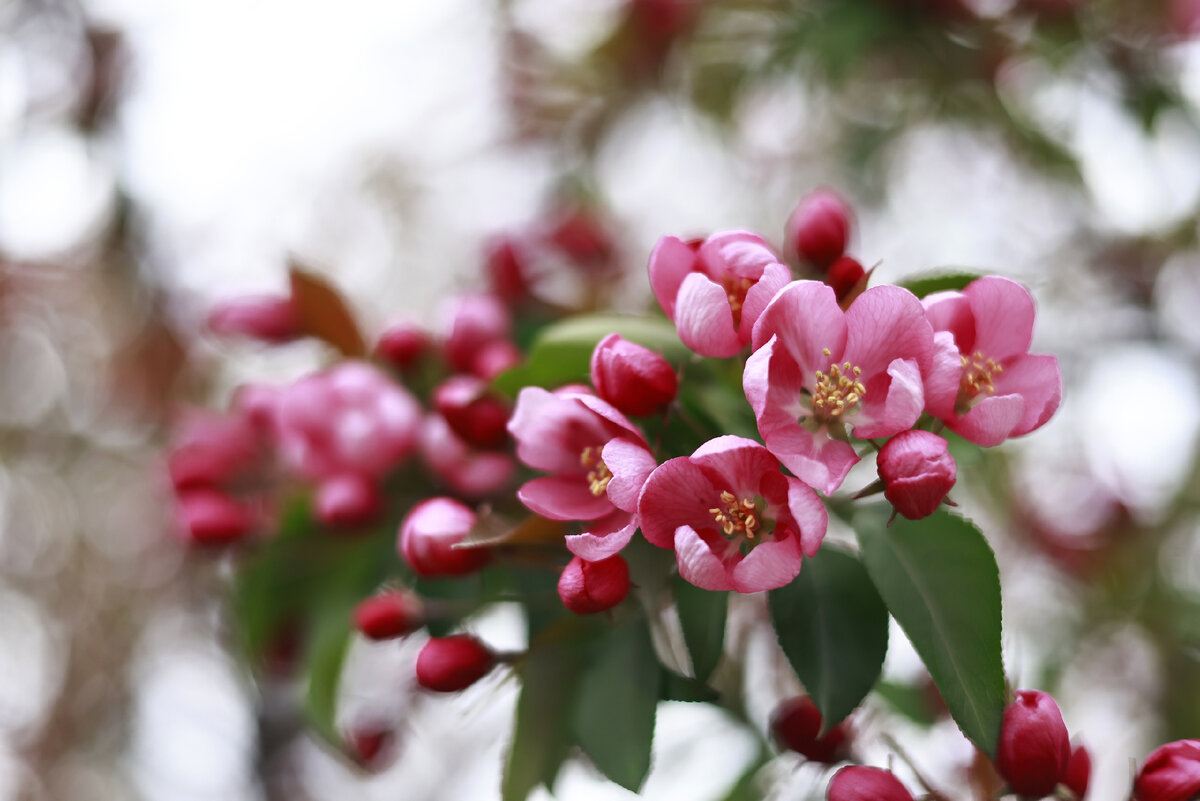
[494, 358]
[847, 278]
[402, 345]
[507, 265]
[635, 379]
[210, 448]
[818, 229]
[589, 587]
[1079, 771]
[211, 517]
[348, 501]
[583, 237]
[917, 471]
[429, 533]
[857, 783]
[796, 725]
[1034, 748]
[1170, 773]
[390, 614]
[473, 322]
[478, 416]
[270, 318]
[450, 664]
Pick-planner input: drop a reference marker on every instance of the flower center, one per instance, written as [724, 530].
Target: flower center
[738, 516]
[598, 473]
[736, 289]
[978, 372]
[838, 390]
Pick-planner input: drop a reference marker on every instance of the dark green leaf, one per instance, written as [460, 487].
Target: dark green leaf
[618, 698]
[326, 654]
[939, 579]
[702, 616]
[833, 626]
[676, 687]
[923, 285]
[911, 701]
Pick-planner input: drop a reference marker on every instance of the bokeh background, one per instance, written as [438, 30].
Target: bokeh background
[158, 156]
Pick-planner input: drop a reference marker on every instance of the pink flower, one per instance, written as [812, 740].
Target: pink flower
[468, 472]
[598, 461]
[818, 228]
[715, 291]
[632, 378]
[270, 318]
[985, 384]
[817, 370]
[589, 587]
[735, 521]
[1034, 748]
[471, 323]
[1170, 773]
[429, 533]
[857, 783]
[209, 448]
[476, 414]
[210, 517]
[917, 471]
[348, 501]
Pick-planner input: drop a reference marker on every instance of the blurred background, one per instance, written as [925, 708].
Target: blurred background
[158, 156]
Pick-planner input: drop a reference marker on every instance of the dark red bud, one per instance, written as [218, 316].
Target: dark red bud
[211, 517]
[403, 345]
[796, 724]
[1170, 773]
[917, 471]
[429, 533]
[1079, 771]
[857, 783]
[635, 379]
[450, 664]
[1034, 748]
[818, 229]
[370, 744]
[388, 615]
[507, 265]
[847, 278]
[474, 413]
[589, 587]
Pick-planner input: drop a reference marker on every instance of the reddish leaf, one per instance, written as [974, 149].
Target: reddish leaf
[324, 313]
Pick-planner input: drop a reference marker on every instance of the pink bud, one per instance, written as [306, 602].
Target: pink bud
[390, 614]
[494, 358]
[917, 471]
[348, 501]
[796, 724]
[270, 318]
[403, 345]
[428, 535]
[211, 517]
[450, 664]
[635, 379]
[1079, 771]
[818, 228]
[507, 267]
[470, 473]
[857, 783]
[589, 587]
[473, 321]
[847, 278]
[1170, 773]
[474, 413]
[211, 449]
[1034, 748]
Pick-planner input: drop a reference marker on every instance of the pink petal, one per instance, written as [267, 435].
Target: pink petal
[1003, 311]
[552, 431]
[887, 323]
[773, 383]
[815, 458]
[951, 311]
[1038, 381]
[697, 562]
[899, 409]
[563, 498]
[735, 464]
[809, 513]
[630, 464]
[806, 317]
[704, 319]
[605, 537]
[670, 262]
[991, 421]
[774, 278]
[944, 376]
[675, 494]
[615, 423]
[769, 565]
[738, 253]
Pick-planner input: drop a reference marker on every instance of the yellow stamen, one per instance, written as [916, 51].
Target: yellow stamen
[977, 378]
[738, 516]
[837, 390]
[598, 475]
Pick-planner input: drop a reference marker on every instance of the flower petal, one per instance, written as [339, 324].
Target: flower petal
[807, 319]
[670, 262]
[943, 377]
[735, 464]
[951, 311]
[774, 278]
[886, 323]
[605, 537]
[1038, 381]
[769, 565]
[563, 498]
[900, 407]
[1003, 311]
[698, 564]
[551, 430]
[630, 464]
[704, 318]
[675, 494]
[809, 514]
[991, 421]
[735, 253]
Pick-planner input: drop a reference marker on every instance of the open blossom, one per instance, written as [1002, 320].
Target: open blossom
[735, 521]
[985, 384]
[817, 370]
[715, 291]
[597, 459]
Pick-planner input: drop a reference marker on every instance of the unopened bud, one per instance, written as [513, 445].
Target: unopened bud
[635, 379]
[796, 725]
[1079, 771]
[847, 278]
[429, 533]
[403, 345]
[348, 501]
[1170, 773]
[450, 664]
[474, 413]
[917, 471]
[818, 229]
[1034, 748]
[589, 587]
[390, 614]
[857, 783]
[210, 517]
[270, 318]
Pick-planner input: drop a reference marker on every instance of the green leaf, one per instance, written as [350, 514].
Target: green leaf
[562, 352]
[911, 701]
[939, 579]
[541, 737]
[326, 655]
[618, 699]
[677, 687]
[923, 285]
[702, 616]
[833, 627]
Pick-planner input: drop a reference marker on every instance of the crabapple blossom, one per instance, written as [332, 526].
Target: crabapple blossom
[1170, 773]
[715, 290]
[348, 500]
[589, 587]
[985, 384]
[429, 533]
[817, 371]
[211, 517]
[917, 471]
[735, 521]
[597, 459]
[270, 318]
[632, 378]
[1034, 749]
[818, 228]
[1079, 772]
[450, 664]
[476, 414]
[472, 322]
[468, 472]
[393, 613]
[858, 783]
[796, 725]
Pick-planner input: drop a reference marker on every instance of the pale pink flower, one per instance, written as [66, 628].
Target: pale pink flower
[597, 459]
[715, 290]
[985, 384]
[818, 373]
[735, 521]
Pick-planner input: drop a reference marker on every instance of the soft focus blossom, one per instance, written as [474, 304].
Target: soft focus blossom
[450, 664]
[468, 472]
[476, 414]
[735, 521]
[472, 322]
[209, 448]
[917, 471]
[817, 371]
[1170, 773]
[1034, 748]
[1079, 772]
[589, 587]
[393, 613]
[715, 290]
[857, 783]
[348, 500]
[796, 725]
[818, 228]
[429, 533]
[597, 459]
[632, 378]
[270, 318]
[985, 384]
[402, 345]
[210, 517]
